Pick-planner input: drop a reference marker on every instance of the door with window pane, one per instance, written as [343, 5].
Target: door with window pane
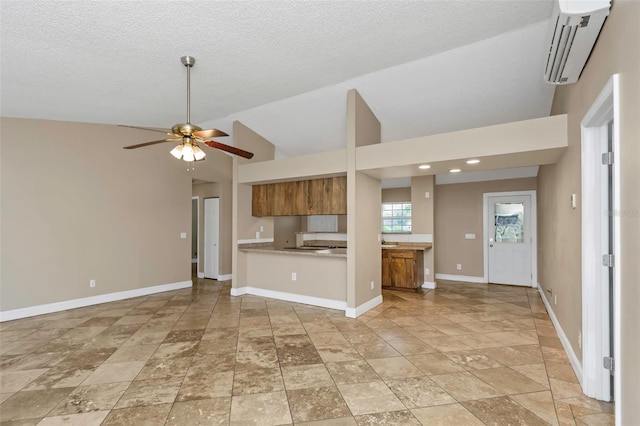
[510, 242]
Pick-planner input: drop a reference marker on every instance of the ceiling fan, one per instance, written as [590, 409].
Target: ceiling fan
[189, 135]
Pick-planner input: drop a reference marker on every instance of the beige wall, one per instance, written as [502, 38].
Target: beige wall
[221, 190]
[364, 195]
[422, 217]
[244, 225]
[396, 195]
[316, 276]
[617, 51]
[76, 207]
[368, 256]
[458, 211]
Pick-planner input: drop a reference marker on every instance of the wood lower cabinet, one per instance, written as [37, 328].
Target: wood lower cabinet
[402, 269]
[300, 198]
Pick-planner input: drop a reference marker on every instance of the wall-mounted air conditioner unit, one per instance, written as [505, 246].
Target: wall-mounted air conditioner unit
[575, 26]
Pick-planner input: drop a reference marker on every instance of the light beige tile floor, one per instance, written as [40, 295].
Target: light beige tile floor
[463, 354]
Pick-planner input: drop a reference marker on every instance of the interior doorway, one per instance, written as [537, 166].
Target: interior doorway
[211, 238]
[601, 245]
[510, 238]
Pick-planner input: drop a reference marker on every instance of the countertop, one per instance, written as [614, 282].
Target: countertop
[406, 246]
[257, 248]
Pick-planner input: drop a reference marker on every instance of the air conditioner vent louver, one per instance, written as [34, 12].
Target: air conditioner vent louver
[574, 31]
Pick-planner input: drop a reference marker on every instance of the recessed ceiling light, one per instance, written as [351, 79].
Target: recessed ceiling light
[454, 171]
[424, 166]
[474, 161]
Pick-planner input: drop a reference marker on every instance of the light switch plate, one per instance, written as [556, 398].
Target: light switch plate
[183, 235]
[427, 195]
[469, 236]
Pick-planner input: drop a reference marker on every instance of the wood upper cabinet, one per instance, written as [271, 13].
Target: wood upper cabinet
[300, 198]
[260, 205]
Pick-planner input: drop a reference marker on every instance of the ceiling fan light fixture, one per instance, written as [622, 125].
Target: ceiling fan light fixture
[177, 151]
[198, 153]
[187, 152]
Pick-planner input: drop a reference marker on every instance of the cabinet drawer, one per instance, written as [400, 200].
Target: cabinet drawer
[402, 254]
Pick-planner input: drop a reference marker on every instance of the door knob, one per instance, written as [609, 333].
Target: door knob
[490, 245]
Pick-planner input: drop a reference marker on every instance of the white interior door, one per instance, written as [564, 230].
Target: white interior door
[211, 237]
[510, 240]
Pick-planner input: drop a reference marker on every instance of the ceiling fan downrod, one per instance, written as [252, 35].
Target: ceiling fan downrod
[188, 61]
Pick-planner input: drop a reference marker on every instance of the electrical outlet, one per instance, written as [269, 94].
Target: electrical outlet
[372, 284]
[257, 235]
[459, 266]
[427, 271]
[92, 283]
[294, 276]
[555, 299]
[261, 228]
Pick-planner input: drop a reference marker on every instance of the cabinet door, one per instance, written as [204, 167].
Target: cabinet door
[259, 201]
[315, 196]
[299, 200]
[402, 268]
[335, 195]
[282, 204]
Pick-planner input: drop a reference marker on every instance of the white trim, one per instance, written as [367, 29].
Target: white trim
[200, 274]
[255, 240]
[88, 301]
[239, 291]
[463, 278]
[224, 277]
[197, 198]
[595, 292]
[573, 359]
[290, 297]
[430, 285]
[533, 231]
[356, 312]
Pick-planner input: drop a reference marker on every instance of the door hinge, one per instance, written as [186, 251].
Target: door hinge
[609, 363]
[608, 260]
[607, 158]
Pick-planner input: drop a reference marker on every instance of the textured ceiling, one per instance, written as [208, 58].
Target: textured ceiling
[283, 67]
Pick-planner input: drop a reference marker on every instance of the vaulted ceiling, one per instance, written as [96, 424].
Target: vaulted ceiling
[281, 67]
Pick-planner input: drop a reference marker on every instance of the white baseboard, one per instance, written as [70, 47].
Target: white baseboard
[290, 297]
[200, 274]
[430, 285]
[356, 312]
[88, 301]
[224, 277]
[463, 278]
[573, 359]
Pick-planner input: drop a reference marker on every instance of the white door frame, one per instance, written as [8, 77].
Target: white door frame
[197, 237]
[533, 231]
[595, 293]
[217, 272]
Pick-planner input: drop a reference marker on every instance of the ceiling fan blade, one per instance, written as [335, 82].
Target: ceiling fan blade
[228, 148]
[140, 145]
[211, 133]
[153, 129]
